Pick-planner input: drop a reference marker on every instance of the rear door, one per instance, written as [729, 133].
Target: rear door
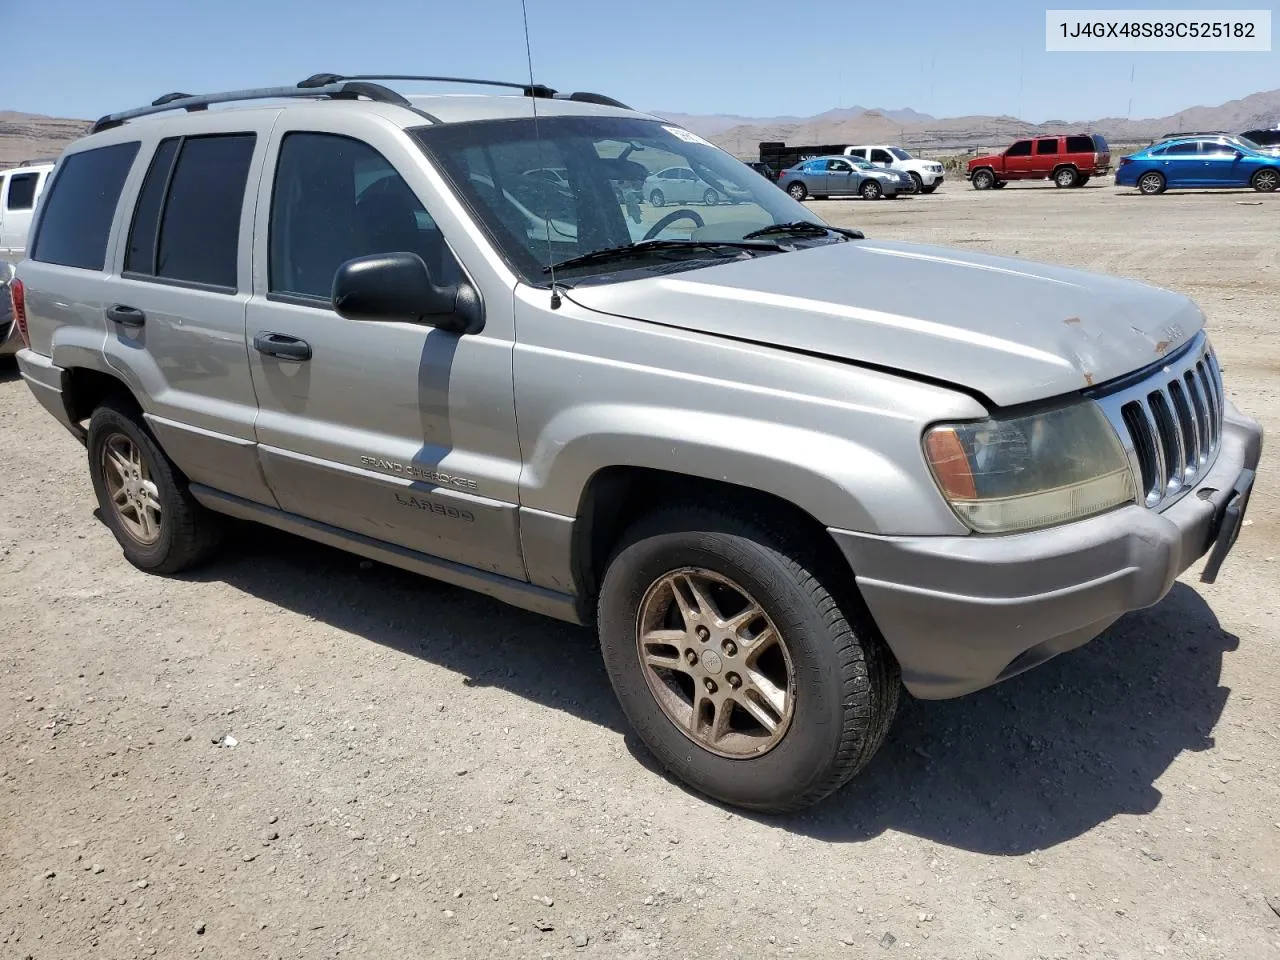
[1017, 161]
[1181, 165]
[176, 311]
[1045, 157]
[397, 431]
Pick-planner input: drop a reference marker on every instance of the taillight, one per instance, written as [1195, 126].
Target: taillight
[18, 295]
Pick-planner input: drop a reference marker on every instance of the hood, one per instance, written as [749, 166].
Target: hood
[986, 161]
[1009, 330]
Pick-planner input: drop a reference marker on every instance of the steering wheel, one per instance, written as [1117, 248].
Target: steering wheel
[684, 213]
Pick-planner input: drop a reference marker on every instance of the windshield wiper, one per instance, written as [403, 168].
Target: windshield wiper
[646, 247]
[805, 228]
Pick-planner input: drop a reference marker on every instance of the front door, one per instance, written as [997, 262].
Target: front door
[398, 431]
[1017, 161]
[1222, 165]
[842, 178]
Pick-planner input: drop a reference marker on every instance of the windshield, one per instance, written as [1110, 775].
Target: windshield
[900, 153]
[625, 180]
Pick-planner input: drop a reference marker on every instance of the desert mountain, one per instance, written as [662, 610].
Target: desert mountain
[25, 136]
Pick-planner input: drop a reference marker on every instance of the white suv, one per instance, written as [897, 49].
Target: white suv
[927, 174]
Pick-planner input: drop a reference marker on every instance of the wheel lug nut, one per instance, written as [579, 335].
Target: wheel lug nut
[710, 685]
[730, 648]
[703, 634]
[735, 681]
[691, 656]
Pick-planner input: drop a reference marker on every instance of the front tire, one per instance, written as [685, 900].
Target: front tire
[1266, 180]
[736, 666]
[160, 526]
[1152, 183]
[871, 190]
[983, 179]
[797, 191]
[918, 181]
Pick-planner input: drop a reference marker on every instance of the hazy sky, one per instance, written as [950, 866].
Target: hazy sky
[84, 58]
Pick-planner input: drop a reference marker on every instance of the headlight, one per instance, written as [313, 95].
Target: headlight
[1022, 473]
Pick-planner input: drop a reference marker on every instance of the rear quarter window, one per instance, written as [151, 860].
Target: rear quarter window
[1082, 145]
[82, 200]
[1100, 144]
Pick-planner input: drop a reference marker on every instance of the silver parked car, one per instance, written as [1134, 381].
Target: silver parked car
[681, 185]
[785, 471]
[822, 177]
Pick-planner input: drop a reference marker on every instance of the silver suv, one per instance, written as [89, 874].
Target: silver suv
[784, 470]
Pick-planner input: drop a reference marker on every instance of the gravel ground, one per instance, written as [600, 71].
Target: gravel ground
[418, 771]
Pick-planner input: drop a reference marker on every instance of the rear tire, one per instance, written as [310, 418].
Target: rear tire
[1152, 183]
[1266, 180]
[983, 179]
[144, 499]
[1066, 177]
[657, 198]
[797, 190]
[828, 686]
[871, 190]
[710, 198]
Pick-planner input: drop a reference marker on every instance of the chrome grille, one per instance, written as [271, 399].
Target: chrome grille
[1170, 423]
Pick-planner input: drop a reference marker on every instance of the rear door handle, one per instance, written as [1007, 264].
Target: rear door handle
[282, 345]
[126, 316]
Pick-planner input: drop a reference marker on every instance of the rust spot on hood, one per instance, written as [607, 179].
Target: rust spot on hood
[1162, 348]
[1088, 378]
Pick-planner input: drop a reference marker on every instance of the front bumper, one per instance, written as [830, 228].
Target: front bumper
[962, 613]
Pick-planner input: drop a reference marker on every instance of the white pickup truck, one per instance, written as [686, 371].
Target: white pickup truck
[927, 174]
[20, 188]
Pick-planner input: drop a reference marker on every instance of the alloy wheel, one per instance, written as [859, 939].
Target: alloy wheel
[133, 493]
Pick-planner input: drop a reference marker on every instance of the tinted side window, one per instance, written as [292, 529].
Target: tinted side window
[1082, 145]
[1047, 146]
[336, 199]
[881, 156]
[21, 194]
[140, 255]
[81, 204]
[199, 235]
[1020, 149]
[1183, 149]
[1100, 143]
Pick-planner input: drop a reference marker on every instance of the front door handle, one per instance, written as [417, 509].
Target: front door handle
[126, 316]
[282, 345]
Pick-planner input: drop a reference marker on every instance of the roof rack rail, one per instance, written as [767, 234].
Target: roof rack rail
[538, 90]
[34, 161]
[183, 101]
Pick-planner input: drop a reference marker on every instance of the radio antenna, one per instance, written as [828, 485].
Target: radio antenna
[537, 137]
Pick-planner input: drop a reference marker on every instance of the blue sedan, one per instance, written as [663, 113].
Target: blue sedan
[1200, 162]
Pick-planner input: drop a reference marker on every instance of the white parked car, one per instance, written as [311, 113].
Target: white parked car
[927, 174]
[20, 188]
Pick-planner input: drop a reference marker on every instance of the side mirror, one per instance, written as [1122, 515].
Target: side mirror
[398, 287]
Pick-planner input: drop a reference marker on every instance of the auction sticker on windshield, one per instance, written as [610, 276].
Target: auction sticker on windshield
[682, 134]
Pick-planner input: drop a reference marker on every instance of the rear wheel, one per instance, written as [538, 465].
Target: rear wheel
[144, 500]
[710, 197]
[871, 190]
[657, 198]
[983, 179]
[735, 664]
[1066, 177]
[797, 191]
[1266, 180]
[1151, 183]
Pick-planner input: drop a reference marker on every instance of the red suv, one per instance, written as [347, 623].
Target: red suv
[1069, 161]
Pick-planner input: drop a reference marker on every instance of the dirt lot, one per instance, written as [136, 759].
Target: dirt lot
[422, 772]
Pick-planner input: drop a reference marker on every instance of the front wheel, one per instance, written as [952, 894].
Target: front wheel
[983, 180]
[735, 664]
[160, 526]
[1151, 183]
[797, 191]
[917, 182]
[1265, 180]
[871, 190]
